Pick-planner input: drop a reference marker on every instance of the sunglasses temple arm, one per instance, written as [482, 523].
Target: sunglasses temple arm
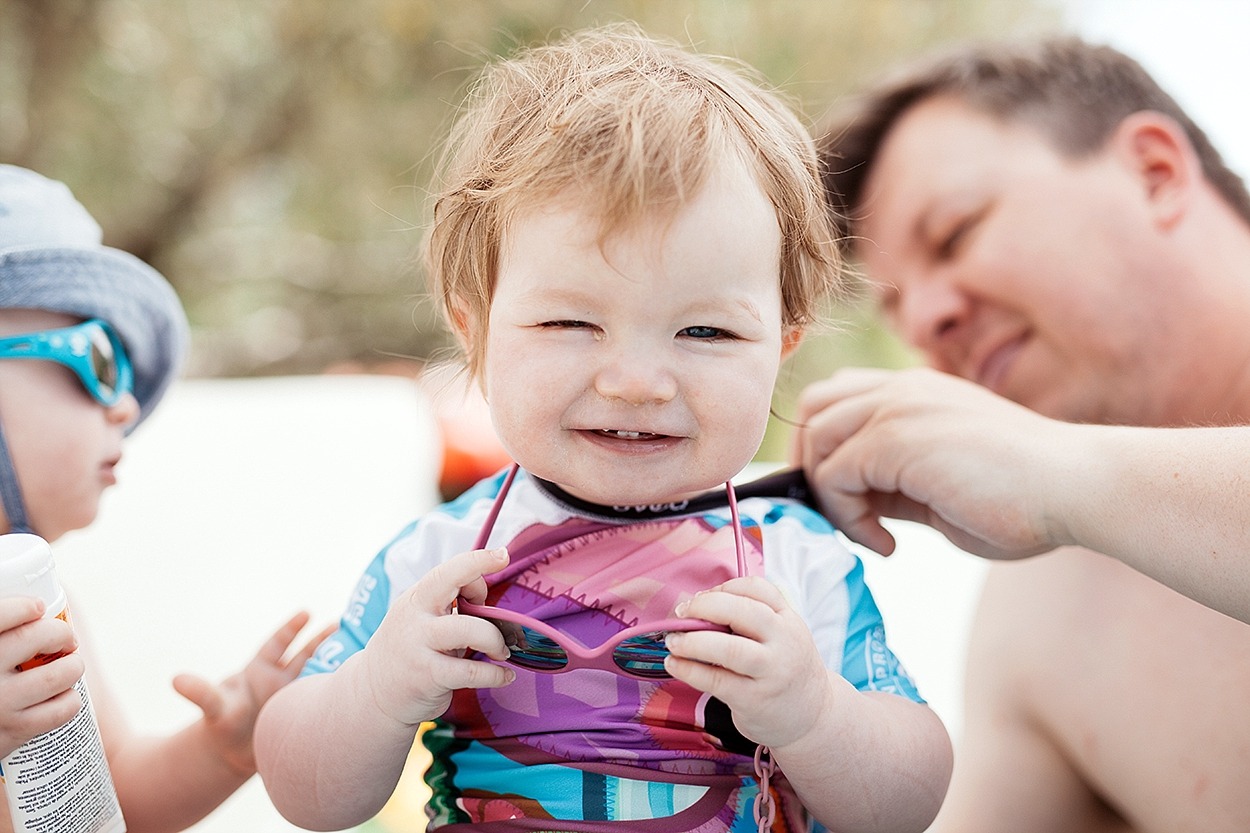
[494, 509]
[739, 548]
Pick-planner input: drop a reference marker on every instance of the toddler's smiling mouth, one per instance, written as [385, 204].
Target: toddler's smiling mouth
[618, 434]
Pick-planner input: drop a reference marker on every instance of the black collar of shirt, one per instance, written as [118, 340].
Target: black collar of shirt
[787, 483]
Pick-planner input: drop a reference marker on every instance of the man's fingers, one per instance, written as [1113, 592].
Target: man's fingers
[851, 381]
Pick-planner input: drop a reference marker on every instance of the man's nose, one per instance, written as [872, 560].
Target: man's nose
[931, 315]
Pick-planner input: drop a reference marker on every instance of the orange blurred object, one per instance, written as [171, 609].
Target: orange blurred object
[471, 450]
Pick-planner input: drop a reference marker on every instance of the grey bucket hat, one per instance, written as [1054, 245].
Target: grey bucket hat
[52, 258]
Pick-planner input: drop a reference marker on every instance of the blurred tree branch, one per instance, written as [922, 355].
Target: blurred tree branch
[271, 158]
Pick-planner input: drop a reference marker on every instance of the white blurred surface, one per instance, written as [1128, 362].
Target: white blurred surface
[240, 502]
[927, 591]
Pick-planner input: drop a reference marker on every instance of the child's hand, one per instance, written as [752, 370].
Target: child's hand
[230, 708]
[42, 698]
[417, 656]
[767, 671]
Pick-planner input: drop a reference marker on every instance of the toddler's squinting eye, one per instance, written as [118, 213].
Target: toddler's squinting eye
[565, 324]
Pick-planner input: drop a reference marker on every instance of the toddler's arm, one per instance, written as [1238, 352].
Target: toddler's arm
[858, 761]
[168, 783]
[331, 747]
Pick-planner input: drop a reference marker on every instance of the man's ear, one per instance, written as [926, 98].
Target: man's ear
[791, 337]
[1159, 154]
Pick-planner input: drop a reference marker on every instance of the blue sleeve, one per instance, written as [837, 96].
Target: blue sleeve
[867, 661]
[409, 555]
[365, 610]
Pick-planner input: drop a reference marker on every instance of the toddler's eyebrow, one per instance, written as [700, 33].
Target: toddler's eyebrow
[752, 309]
[560, 294]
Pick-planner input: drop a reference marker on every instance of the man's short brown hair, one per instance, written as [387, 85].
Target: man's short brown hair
[1072, 92]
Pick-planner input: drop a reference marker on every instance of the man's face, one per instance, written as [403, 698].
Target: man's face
[1036, 275]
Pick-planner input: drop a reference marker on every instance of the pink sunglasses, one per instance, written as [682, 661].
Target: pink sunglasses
[637, 652]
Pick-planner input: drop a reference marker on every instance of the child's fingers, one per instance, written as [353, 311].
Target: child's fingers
[45, 715]
[704, 676]
[276, 646]
[456, 635]
[202, 693]
[747, 606]
[310, 647]
[440, 587]
[17, 610]
[25, 689]
[473, 673]
[759, 589]
[736, 654]
[32, 638]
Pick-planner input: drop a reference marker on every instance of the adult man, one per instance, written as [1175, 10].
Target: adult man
[1045, 221]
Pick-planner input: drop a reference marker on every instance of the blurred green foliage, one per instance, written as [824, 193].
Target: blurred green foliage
[270, 156]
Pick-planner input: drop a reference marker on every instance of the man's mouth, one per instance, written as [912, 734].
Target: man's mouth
[995, 367]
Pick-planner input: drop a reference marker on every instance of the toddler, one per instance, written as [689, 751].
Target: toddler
[90, 339]
[628, 241]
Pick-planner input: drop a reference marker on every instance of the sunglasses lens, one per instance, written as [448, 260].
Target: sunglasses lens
[530, 649]
[104, 364]
[642, 655]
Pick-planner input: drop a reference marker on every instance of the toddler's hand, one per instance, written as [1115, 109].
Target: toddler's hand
[768, 670]
[230, 708]
[417, 656]
[42, 698]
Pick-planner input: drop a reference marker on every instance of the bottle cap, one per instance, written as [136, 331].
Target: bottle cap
[26, 567]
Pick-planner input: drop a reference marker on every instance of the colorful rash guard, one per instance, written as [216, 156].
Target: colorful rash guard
[591, 750]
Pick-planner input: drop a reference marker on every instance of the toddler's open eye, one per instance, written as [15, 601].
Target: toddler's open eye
[707, 333]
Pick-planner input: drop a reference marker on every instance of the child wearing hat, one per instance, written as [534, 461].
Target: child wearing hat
[90, 339]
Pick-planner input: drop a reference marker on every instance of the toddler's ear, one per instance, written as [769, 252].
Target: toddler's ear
[461, 324]
[791, 338]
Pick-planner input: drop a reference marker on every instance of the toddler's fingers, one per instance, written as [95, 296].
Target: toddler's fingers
[17, 610]
[474, 673]
[34, 638]
[43, 682]
[275, 647]
[756, 588]
[440, 587]
[202, 693]
[48, 714]
[456, 635]
[746, 606]
[697, 674]
[310, 647]
[733, 653]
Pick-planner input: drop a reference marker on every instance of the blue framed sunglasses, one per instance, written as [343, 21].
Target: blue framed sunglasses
[92, 349]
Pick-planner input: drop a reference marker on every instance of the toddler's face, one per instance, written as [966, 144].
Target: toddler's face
[63, 443]
[640, 370]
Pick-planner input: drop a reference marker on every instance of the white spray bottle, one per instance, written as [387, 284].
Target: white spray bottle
[60, 780]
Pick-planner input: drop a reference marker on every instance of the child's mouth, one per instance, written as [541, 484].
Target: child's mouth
[628, 435]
